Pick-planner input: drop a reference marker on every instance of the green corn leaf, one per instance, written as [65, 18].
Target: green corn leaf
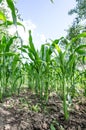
[71, 62]
[31, 56]
[71, 59]
[55, 42]
[25, 46]
[47, 55]
[2, 17]
[9, 23]
[52, 127]
[23, 50]
[44, 56]
[13, 11]
[7, 54]
[80, 47]
[81, 52]
[31, 41]
[31, 47]
[51, 49]
[61, 55]
[3, 43]
[0, 1]
[15, 60]
[10, 42]
[42, 52]
[6, 43]
[82, 35]
[58, 48]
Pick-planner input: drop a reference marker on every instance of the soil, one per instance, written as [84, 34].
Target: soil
[28, 112]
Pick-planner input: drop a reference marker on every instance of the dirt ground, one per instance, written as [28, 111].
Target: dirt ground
[26, 112]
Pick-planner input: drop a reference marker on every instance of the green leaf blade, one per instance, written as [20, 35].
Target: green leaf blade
[12, 8]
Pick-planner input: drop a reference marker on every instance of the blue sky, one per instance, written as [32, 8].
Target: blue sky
[50, 20]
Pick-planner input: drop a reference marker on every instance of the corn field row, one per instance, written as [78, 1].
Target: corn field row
[59, 66]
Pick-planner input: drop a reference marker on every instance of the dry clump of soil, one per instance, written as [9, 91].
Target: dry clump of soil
[27, 112]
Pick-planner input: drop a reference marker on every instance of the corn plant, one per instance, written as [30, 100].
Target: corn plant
[11, 6]
[10, 61]
[51, 64]
[38, 67]
[9, 66]
[52, 68]
[67, 62]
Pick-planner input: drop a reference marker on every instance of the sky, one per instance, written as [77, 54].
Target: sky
[46, 20]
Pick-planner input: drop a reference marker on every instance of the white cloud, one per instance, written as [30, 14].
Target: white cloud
[38, 38]
[24, 33]
[42, 37]
[29, 25]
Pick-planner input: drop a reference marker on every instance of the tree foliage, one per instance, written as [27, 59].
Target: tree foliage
[79, 10]
[77, 27]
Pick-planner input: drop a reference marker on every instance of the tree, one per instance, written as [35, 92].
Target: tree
[79, 10]
[77, 26]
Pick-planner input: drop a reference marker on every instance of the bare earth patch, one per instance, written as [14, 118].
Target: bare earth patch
[26, 112]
